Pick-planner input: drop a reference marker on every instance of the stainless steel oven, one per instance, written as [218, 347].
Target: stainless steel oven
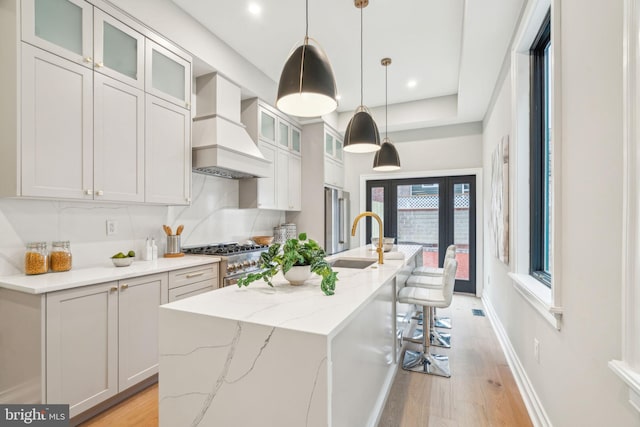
[236, 260]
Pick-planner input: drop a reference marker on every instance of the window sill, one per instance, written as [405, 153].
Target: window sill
[539, 296]
[631, 377]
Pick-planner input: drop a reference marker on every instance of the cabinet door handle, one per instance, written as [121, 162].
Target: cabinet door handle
[190, 275]
[100, 193]
[87, 59]
[99, 64]
[88, 192]
[123, 287]
[113, 289]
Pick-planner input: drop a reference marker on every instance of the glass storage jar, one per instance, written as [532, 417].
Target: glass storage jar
[60, 256]
[36, 258]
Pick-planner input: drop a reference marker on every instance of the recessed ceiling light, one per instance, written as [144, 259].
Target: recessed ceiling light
[255, 9]
[412, 83]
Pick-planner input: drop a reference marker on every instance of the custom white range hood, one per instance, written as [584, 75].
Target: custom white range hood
[221, 145]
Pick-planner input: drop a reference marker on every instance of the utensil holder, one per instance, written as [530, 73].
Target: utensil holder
[173, 244]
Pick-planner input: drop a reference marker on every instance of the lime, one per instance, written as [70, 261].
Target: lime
[119, 255]
[131, 254]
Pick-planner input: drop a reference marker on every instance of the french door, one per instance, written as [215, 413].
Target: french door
[431, 212]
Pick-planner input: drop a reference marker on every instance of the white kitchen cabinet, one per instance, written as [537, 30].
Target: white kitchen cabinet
[62, 27]
[187, 282]
[138, 302]
[280, 141]
[333, 173]
[320, 168]
[333, 158]
[289, 178]
[82, 346]
[102, 339]
[82, 138]
[57, 127]
[168, 76]
[81, 129]
[118, 141]
[118, 50]
[167, 153]
[295, 183]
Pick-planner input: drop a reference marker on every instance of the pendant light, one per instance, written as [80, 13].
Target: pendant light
[362, 134]
[307, 86]
[387, 159]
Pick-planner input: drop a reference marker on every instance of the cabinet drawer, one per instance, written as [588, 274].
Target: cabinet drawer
[187, 276]
[191, 290]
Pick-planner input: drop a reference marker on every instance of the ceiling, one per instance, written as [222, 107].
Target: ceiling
[447, 47]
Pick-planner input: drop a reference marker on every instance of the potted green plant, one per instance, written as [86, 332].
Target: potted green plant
[300, 252]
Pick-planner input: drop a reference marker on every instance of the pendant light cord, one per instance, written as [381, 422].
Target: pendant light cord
[361, 59]
[386, 92]
[306, 27]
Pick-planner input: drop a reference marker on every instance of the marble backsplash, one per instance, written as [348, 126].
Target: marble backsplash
[213, 216]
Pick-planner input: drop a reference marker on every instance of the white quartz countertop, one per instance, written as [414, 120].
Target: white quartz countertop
[302, 308]
[48, 282]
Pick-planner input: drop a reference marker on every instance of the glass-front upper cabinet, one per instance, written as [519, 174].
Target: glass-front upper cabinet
[167, 75]
[118, 50]
[295, 139]
[62, 27]
[339, 150]
[283, 134]
[267, 126]
[328, 144]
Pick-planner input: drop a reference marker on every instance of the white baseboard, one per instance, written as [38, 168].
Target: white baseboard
[536, 411]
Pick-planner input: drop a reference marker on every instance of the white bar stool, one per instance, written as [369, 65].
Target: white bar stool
[438, 322]
[423, 361]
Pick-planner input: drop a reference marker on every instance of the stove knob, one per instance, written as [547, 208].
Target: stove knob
[246, 264]
[254, 263]
[238, 266]
[231, 268]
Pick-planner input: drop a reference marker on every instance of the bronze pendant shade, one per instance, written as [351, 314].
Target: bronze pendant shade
[387, 158]
[362, 134]
[307, 86]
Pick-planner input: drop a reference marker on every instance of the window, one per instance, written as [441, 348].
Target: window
[537, 147]
[540, 156]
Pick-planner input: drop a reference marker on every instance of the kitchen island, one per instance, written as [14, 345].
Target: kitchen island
[288, 355]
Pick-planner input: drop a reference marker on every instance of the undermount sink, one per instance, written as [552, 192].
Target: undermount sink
[352, 263]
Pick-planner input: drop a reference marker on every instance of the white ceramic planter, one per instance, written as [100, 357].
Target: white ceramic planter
[298, 274]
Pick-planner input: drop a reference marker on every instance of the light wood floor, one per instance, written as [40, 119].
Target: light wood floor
[481, 391]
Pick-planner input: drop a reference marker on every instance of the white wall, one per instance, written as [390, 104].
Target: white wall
[572, 380]
[438, 149]
[212, 217]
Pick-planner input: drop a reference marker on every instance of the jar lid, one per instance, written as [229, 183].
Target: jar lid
[36, 244]
[61, 243]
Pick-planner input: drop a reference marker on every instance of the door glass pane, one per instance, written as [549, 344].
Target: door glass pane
[328, 144]
[283, 135]
[461, 205]
[59, 22]
[168, 75]
[338, 149]
[120, 51]
[419, 218]
[377, 207]
[267, 126]
[295, 140]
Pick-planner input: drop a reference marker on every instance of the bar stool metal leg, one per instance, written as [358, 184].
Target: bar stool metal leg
[425, 362]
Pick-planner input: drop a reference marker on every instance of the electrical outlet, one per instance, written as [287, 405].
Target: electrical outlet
[112, 228]
[536, 349]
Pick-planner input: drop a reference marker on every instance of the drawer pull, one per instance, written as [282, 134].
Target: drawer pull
[190, 275]
[113, 288]
[123, 287]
